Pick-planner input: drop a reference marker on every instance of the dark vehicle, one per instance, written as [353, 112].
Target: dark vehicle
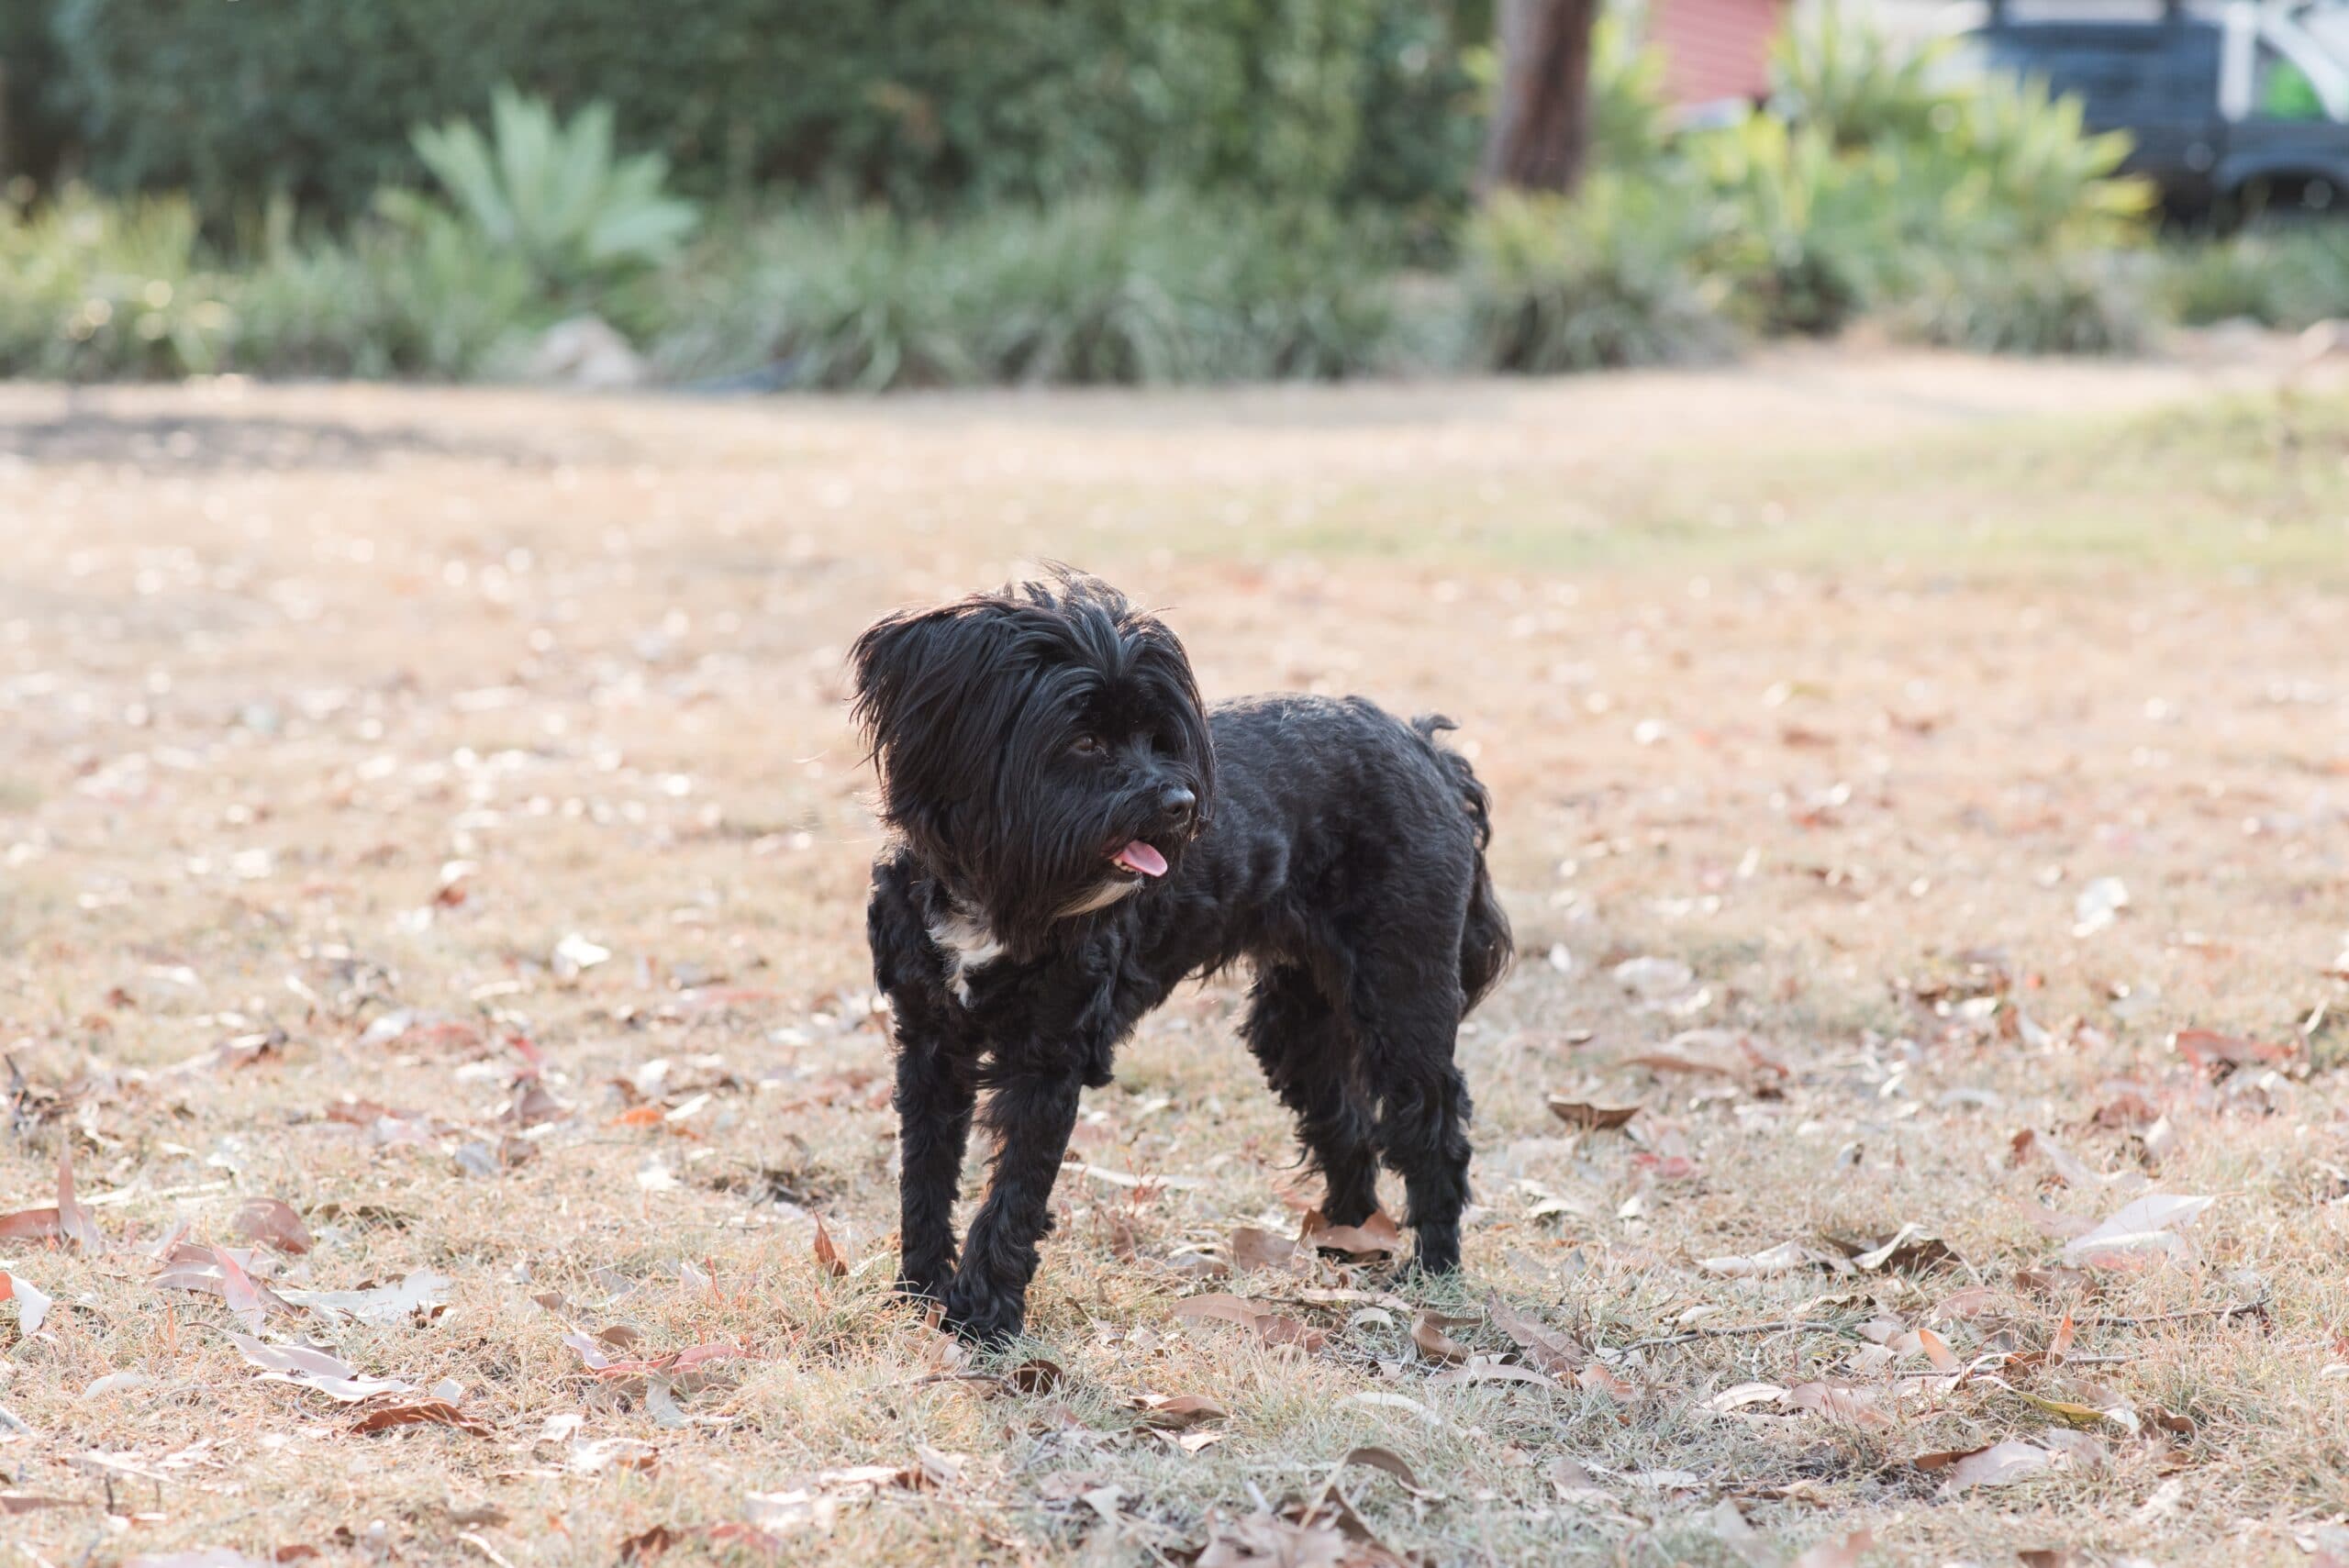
[2234, 109]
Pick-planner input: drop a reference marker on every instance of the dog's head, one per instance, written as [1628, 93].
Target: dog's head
[1042, 747]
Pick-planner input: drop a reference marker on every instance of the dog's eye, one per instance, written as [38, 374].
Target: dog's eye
[1086, 746]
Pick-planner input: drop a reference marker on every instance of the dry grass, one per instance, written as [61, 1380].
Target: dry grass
[1836, 680]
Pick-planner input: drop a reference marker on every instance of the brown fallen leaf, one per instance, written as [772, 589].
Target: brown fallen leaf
[1432, 1342]
[423, 1413]
[1672, 1061]
[273, 1222]
[1392, 1464]
[1591, 1118]
[30, 1225]
[1844, 1551]
[73, 1221]
[1992, 1464]
[2207, 1048]
[1252, 1248]
[1270, 1326]
[30, 1502]
[1377, 1236]
[1861, 1407]
[2069, 1168]
[827, 1256]
[1553, 1351]
[1176, 1412]
[1597, 1379]
[647, 1543]
[1035, 1376]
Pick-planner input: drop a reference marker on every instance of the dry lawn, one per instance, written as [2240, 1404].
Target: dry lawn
[432, 810]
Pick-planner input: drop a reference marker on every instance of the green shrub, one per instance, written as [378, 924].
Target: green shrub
[419, 295]
[1609, 277]
[918, 102]
[2060, 300]
[1858, 84]
[2281, 277]
[91, 288]
[1806, 235]
[1169, 288]
[553, 194]
[1631, 120]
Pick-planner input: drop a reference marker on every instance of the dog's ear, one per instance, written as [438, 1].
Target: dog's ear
[914, 673]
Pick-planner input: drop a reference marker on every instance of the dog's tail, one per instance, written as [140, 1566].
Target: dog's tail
[1486, 946]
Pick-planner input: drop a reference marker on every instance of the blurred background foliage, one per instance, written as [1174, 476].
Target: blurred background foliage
[921, 104]
[821, 194]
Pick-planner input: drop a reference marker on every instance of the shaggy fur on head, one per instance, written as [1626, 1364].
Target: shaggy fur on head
[1075, 832]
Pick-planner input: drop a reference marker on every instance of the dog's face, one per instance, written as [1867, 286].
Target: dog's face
[1042, 748]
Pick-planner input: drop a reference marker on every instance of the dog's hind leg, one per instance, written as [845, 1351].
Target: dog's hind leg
[1300, 1042]
[1407, 1016]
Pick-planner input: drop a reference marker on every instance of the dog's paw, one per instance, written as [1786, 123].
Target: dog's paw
[984, 1318]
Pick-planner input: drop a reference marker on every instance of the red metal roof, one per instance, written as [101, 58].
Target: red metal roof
[1715, 49]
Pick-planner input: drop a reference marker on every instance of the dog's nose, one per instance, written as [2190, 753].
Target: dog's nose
[1176, 802]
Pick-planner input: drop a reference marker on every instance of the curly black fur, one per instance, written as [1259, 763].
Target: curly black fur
[1024, 738]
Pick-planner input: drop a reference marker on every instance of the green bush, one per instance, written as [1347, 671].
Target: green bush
[1858, 84]
[918, 102]
[1607, 277]
[2279, 277]
[553, 194]
[1804, 234]
[419, 296]
[2060, 300]
[91, 288]
[1169, 288]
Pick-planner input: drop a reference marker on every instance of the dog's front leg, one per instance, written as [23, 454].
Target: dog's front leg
[1030, 1115]
[933, 1097]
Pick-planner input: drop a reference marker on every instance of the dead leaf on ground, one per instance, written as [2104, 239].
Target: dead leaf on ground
[1034, 1375]
[1377, 1236]
[1176, 1412]
[419, 1298]
[74, 1222]
[32, 1306]
[423, 1413]
[1270, 1326]
[273, 1222]
[2148, 1227]
[1432, 1342]
[1392, 1464]
[1254, 1248]
[316, 1371]
[1863, 1406]
[1912, 1249]
[1784, 1258]
[1547, 1348]
[1591, 1118]
[13, 1502]
[1844, 1551]
[1992, 1464]
[2208, 1048]
[827, 1256]
[2069, 1168]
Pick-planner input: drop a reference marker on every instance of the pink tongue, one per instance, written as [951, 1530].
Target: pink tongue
[1140, 857]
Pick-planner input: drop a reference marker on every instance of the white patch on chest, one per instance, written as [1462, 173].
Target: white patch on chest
[1101, 897]
[968, 946]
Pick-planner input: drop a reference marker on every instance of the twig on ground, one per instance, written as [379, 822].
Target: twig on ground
[1786, 1326]
[2234, 1310]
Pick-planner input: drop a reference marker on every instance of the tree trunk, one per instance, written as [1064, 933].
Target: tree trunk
[1540, 127]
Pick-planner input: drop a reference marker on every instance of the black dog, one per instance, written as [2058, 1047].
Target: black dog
[1077, 833]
